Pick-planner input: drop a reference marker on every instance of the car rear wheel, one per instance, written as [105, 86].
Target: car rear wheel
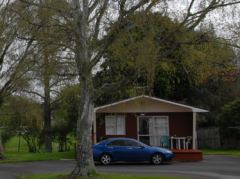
[105, 159]
[157, 159]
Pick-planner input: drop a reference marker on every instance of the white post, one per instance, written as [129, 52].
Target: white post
[194, 139]
[94, 128]
[138, 138]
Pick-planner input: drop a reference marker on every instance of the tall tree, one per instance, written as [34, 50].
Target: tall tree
[89, 19]
[14, 51]
[53, 66]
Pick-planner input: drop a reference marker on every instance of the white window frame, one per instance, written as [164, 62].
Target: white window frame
[149, 135]
[118, 127]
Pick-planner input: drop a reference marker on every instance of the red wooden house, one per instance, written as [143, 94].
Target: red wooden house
[154, 121]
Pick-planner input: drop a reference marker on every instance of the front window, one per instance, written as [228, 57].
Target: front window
[115, 125]
[152, 129]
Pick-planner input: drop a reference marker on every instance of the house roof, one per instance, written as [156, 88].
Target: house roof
[146, 104]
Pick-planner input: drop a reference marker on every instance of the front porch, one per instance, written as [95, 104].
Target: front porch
[187, 155]
[182, 147]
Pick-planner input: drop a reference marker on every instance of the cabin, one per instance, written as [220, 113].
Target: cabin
[153, 121]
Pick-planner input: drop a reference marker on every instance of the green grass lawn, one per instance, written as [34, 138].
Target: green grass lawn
[100, 176]
[12, 155]
[234, 152]
[12, 145]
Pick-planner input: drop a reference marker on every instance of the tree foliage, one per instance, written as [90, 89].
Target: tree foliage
[230, 115]
[22, 116]
[66, 114]
[229, 122]
[14, 50]
[159, 57]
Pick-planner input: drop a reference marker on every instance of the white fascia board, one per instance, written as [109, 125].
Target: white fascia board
[193, 109]
[116, 103]
[178, 104]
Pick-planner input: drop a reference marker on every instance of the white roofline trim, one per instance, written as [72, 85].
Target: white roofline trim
[156, 99]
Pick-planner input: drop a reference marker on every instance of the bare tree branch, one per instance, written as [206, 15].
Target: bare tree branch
[33, 92]
[17, 72]
[93, 6]
[122, 8]
[152, 4]
[192, 20]
[101, 12]
[4, 52]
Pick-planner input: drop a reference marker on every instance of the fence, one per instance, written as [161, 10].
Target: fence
[209, 138]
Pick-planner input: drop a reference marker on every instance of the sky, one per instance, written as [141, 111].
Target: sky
[221, 19]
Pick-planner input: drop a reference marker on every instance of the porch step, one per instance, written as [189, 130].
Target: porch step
[187, 155]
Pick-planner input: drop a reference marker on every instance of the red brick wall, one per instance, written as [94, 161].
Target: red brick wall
[180, 124]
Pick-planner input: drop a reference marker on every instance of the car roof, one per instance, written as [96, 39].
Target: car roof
[120, 138]
[115, 138]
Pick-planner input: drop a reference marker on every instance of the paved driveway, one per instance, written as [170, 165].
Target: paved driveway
[213, 166]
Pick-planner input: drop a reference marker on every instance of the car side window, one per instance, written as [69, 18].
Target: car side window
[132, 143]
[117, 143]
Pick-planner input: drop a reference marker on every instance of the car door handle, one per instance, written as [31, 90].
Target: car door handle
[129, 148]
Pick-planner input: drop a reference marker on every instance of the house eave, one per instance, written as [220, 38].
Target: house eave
[186, 107]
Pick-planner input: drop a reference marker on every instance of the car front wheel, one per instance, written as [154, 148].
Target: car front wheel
[157, 159]
[105, 159]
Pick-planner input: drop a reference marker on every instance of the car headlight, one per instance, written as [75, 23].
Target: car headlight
[168, 151]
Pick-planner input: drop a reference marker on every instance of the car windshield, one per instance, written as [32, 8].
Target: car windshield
[102, 142]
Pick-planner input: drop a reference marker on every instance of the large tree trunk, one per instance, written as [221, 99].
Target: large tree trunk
[1, 147]
[85, 163]
[47, 127]
[47, 107]
[1, 144]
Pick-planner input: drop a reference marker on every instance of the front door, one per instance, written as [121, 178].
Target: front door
[152, 128]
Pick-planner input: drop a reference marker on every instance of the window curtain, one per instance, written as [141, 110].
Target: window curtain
[115, 125]
[158, 127]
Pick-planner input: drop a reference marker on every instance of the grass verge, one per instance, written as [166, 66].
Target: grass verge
[13, 157]
[100, 176]
[233, 152]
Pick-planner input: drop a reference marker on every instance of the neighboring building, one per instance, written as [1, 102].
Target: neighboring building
[154, 121]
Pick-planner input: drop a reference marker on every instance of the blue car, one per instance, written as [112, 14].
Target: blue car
[129, 150]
